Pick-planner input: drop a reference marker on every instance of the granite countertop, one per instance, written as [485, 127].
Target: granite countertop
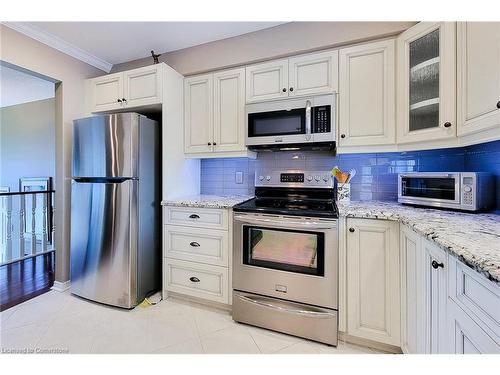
[472, 238]
[207, 201]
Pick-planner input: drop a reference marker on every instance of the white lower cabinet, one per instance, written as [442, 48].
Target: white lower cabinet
[196, 253]
[373, 287]
[446, 307]
[423, 295]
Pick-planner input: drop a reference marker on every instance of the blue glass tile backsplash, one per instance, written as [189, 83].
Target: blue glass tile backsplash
[376, 177]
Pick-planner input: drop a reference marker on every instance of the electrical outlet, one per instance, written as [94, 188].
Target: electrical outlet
[239, 177]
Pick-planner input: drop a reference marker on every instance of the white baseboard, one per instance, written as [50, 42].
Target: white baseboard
[61, 286]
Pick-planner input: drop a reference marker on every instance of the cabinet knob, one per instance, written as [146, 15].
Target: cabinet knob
[209, 143]
[194, 244]
[291, 88]
[215, 144]
[119, 100]
[447, 124]
[194, 279]
[351, 230]
[498, 104]
[284, 89]
[194, 216]
[436, 265]
[342, 136]
[123, 99]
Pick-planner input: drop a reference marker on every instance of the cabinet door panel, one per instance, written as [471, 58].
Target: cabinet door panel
[198, 114]
[478, 75]
[267, 81]
[367, 94]
[373, 280]
[105, 92]
[426, 89]
[436, 296]
[412, 293]
[467, 337]
[229, 110]
[313, 74]
[143, 86]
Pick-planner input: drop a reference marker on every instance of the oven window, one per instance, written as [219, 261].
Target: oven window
[282, 249]
[422, 187]
[277, 123]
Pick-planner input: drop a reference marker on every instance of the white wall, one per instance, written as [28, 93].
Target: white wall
[32, 55]
[27, 142]
[283, 40]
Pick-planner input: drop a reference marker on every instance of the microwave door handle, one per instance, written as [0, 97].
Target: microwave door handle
[308, 120]
[423, 175]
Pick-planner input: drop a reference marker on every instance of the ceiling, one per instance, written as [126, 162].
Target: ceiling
[108, 43]
[18, 87]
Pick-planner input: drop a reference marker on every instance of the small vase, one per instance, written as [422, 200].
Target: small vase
[344, 192]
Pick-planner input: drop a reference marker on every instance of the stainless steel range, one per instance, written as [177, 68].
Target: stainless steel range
[285, 261]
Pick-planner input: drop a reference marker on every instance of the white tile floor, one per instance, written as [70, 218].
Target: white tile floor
[61, 321]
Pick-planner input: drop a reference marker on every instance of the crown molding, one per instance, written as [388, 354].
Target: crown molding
[59, 44]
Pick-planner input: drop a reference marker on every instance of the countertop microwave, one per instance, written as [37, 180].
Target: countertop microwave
[470, 191]
[292, 124]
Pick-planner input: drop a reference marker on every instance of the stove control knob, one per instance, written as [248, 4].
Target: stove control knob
[317, 178]
[261, 178]
[325, 178]
[268, 178]
[309, 178]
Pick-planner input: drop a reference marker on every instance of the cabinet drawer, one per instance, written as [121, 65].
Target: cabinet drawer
[195, 244]
[197, 217]
[197, 280]
[476, 295]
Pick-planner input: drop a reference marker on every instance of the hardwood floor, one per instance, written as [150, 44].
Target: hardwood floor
[26, 279]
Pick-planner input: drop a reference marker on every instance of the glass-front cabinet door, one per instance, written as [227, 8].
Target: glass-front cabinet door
[426, 89]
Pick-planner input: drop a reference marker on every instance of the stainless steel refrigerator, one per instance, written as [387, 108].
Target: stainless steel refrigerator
[115, 209]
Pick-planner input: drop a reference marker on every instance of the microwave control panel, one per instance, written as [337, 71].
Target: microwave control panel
[322, 119]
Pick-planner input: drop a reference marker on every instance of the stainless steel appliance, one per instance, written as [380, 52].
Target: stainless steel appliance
[471, 191]
[115, 206]
[285, 255]
[291, 124]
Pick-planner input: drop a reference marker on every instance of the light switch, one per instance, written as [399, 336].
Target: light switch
[239, 177]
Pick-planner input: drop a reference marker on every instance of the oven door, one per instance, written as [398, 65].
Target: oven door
[430, 189]
[294, 259]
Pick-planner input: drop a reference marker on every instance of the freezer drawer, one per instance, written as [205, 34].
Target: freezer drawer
[297, 319]
[106, 146]
[104, 242]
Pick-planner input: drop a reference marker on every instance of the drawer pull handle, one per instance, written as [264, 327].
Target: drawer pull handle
[194, 279]
[194, 216]
[436, 265]
[194, 244]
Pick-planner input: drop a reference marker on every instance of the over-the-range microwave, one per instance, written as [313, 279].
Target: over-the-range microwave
[292, 124]
[470, 191]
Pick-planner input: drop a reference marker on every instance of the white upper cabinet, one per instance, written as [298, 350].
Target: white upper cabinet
[267, 81]
[214, 114]
[373, 284]
[198, 114]
[229, 110]
[478, 86]
[142, 86]
[310, 74]
[426, 82]
[129, 89]
[367, 94]
[313, 74]
[105, 93]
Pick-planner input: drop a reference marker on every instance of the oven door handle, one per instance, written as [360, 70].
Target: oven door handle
[286, 224]
[424, 175]
[308, 313]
